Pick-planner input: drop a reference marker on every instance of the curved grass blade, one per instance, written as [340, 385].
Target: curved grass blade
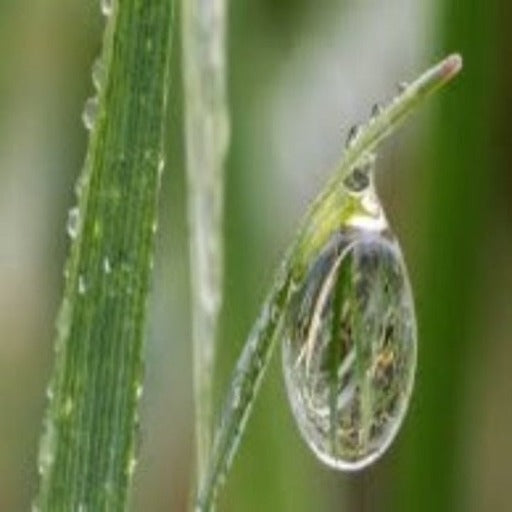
[326, 214]
[87, 452]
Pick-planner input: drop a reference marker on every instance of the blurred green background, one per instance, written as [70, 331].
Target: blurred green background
[301, 72]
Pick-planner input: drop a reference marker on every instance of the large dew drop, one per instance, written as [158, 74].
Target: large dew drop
[349, 352]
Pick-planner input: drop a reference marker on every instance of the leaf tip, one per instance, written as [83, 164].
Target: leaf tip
[451, 66]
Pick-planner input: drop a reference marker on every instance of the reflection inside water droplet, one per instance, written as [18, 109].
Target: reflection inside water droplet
[358, 180]
[349, 352]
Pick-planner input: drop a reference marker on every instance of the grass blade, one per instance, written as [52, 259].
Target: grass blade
[206, 122]
[87, 452]
[326, 214]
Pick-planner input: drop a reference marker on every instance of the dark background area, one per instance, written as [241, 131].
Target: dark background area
[301, 73]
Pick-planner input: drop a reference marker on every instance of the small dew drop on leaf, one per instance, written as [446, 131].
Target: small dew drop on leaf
[358, 180]
[106, 7]
[161, 165]
[376, 110]
[132, 463]
[402, 86]
[47, 449]
[352, 135]
[237, 394]
[90, 112]
[49, 392]
[72, 223]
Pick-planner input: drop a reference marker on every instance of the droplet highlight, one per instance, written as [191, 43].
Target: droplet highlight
[72, 222]
[349, 348]
[376, 110]
[107, 7]
[353, 133]
[90, 112]
[47, 449]
[402, 86]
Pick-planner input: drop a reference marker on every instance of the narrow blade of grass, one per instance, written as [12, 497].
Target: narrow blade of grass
[206, 123]
[87, 452]
[326, 215]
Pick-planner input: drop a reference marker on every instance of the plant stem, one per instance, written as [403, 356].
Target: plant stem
[325, 216]
[87, 453]
[206, 122]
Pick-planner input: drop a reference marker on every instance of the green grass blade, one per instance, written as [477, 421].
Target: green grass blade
[206, 123]
[87, 452]
[326, 215]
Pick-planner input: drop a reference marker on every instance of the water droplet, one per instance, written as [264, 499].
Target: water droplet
[107, 268]
[138, 391]
[161, 165]
[402, 86]
[98, 73]
[349, 351]
[237, 395]
[63, 324]
[353, 133]
[90, 112]
[73, 222]
[82, 288]
[107, 7]
[376, 110]
[47, 448]
[49, 392]
[358, 180]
